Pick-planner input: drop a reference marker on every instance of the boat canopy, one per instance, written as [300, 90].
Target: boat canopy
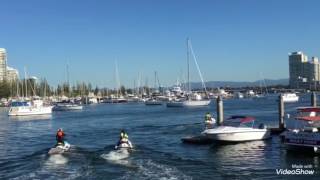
[243, 119]
[309, 118]
[308, 109]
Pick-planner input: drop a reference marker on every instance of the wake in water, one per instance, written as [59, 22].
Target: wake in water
[148, 169]
[69, 165]
[117, 157]
[56, 159]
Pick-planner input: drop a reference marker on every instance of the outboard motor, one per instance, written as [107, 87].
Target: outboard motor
[262, 126]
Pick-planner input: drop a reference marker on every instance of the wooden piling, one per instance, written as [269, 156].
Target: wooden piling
[314, 99]
[281, 113]
[219, 111]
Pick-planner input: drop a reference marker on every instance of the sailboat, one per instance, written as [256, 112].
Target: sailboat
[193, 99]
[119, 98]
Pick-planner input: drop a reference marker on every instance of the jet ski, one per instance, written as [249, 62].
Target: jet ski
[124, 145]
[60, 148]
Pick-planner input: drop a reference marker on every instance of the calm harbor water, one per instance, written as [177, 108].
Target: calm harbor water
[155, 132]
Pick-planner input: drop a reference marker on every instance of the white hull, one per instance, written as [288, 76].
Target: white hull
[60, 149]
[193, 103]
[236, 134]
[294, 99]
[153, 103]
[188, 103]
[29, 110]
[289, 98]
[124, 146]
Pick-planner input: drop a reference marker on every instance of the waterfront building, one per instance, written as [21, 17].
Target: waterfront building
[303, 73]
[3, 64]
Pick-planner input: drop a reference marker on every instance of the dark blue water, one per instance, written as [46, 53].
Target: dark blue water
[155, 132]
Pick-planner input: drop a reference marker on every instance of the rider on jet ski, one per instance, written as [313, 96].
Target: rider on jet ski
[124, 138]
[60, 136]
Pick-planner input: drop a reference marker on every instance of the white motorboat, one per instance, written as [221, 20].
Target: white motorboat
[306, 135]
[153, 102]
[67, 107]
[60, 148]
[290, 97]
[36, 107]
[240, 133]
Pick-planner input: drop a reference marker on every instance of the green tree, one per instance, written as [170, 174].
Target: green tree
[4, 89]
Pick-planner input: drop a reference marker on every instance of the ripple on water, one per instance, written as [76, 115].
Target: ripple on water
[148, 169]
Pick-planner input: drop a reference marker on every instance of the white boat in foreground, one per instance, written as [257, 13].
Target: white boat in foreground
[238, 133]
[36, 107]
[290, 97]
[306, 137]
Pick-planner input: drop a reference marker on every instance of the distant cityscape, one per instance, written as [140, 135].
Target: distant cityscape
[303, 73]
[7, 73]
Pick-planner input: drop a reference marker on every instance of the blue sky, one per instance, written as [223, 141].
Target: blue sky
[233, 40]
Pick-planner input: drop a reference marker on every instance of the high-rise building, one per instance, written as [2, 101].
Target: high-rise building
[303, 73]
[3, 64]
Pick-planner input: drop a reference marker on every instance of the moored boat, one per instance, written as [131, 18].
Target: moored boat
[153, 102]
[241, 132]
[290, 97]
[35, 107]
[306, 135]
[67, 107]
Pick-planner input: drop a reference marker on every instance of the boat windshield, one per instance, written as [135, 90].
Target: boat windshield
[15, 104]
[239, 121]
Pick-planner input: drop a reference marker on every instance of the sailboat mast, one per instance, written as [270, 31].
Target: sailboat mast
[68, 81]
[25, 81]
[117, 80]
[155, 80]
[188, 63]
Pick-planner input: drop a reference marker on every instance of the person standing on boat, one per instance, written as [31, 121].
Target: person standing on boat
[60, 136]
[209, 120]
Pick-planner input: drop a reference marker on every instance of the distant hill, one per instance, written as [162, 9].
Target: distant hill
[235, 84]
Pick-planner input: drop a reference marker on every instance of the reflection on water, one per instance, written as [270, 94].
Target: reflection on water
[249, 153]
[31, 118]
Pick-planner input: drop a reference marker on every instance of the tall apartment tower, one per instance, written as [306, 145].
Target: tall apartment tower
[3, 64]
[303, 73]
[297, 68]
